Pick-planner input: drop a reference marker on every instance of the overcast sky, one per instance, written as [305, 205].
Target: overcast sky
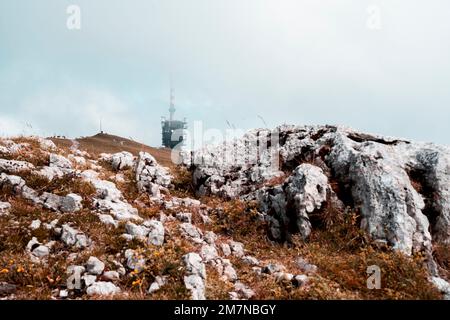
[288, 61]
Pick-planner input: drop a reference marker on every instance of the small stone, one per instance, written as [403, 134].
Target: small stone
[120, 268]
[184, 217]
[59, 162]
[157, 284]
[95, 266]
[192, 232]
[72, 269]
[7, 288]
[210, 238]
[196, 285]
[122, 160]
[300, 280]
[226, 250]
[283, 277]
[33, 244]
[72, 237]
[250, 260]
[194, 264]
[63, 294]
[243, 290]
[108, 220]
[41, 251]
[305, 266]
[229, 272]
[4, 208]
[257, 270]
[237, 248]
[111, 275]
[103, 289]
[71, 203]
[272, 268]
[35, 224]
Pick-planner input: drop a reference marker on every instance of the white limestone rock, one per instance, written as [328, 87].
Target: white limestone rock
[35, 224]
[73, 237]
[5, 207]
[136, 230]
[150, 176]
[94, 266]
[195, 275]
[156, 232]
[157, 284]
[102, 288]
[59, 161]
[122, 160]
[109, 199]
[14, 166]
[192, 232]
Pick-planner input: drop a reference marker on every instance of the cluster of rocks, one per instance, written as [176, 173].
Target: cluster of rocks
[151, 230]
[69, 235]
[92, 278]
[109, 199]
[150, 176]
[70, 203]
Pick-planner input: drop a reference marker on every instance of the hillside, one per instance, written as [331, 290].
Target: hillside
[98, 219]
[106, 143]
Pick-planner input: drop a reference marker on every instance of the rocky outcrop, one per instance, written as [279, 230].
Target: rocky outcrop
[150, 176]
[399, 187]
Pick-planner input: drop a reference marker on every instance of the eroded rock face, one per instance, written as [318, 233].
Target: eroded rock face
[400, 188]
[150, 176]
[291, 203]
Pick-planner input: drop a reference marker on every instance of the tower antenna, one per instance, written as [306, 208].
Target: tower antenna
[172, 101]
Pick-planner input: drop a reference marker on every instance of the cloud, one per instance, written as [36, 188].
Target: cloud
[73, 111]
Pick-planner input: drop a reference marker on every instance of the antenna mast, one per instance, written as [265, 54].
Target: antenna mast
[172, 101]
